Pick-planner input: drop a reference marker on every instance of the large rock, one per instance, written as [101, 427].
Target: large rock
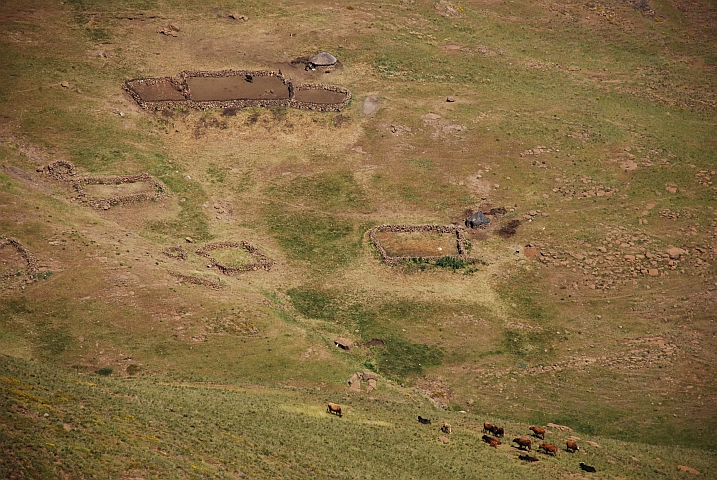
[369, 376]
[675, 252]
[476, 220]
[323, 59]
[371, 385]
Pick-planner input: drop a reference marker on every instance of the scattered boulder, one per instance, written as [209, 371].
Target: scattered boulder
[675, 252]
[369, 376]
[444, 440]
[476, 220]
[450, 99]
[560, 427]
[370, 105]
[371, 385]
[687, 469]
[169, 30]
[236, 16]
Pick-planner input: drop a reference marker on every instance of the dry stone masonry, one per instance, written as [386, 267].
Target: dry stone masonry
[263, 263]
[31, 269]
[176, 92]
[389, 260]
[106, 203]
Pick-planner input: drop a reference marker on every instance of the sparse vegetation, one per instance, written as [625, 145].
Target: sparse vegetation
[586, 129]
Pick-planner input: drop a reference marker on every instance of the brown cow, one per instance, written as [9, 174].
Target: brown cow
[523, 443]
[493, 442]
[335, 409]
[571, 446]
[548, 449]
[538, 432]
[498, 431]
[487, 427]
[446, 428]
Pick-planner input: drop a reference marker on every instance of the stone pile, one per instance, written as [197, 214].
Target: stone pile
[175, 252]
[389, 260]
[60, 170]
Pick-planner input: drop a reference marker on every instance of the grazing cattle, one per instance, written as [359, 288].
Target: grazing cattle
[571, 446]
[487, 427]
[249, 78]
[587, 468]
[493, 442]
[549, 449]
[446, 428]
[425, 421]
[527, 458]
[498, 431]
[335, 409]
[538, 432]
[523, 443]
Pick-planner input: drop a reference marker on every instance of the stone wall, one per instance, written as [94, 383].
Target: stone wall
[239, 103]
[194, 280]
[389, 260]
[31, 270]
[264, 263]
[107, 202]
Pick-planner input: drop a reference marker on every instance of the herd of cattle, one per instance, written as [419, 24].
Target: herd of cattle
[523, 443]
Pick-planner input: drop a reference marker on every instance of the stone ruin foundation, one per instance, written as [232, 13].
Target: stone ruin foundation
[65, 171]
[263, 262]
[195, 280]
[175, 252]
[30, 271]
[391, 260]
[107, 202]
[166, 93]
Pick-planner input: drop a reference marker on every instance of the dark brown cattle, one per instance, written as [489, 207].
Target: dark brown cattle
[424, 421]
[587, 468]
[549, 449]
[446, 428]
[487, 427]
[571, 446]
[523, 443]
[498, 431]
[335, 409]
[538, 432]
[493, 442]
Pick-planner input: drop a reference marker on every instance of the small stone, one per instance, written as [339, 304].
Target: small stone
[189, 239]
[653, 272]
[444, 439]
[675, 252]
[67, 427]
[450, 99]
[64, 84]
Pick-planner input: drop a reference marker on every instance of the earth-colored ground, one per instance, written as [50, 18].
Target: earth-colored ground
[591, 123]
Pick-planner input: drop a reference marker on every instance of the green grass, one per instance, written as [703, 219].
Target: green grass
[234, 381]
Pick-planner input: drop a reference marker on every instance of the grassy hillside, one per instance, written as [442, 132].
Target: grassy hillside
[588, 302]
